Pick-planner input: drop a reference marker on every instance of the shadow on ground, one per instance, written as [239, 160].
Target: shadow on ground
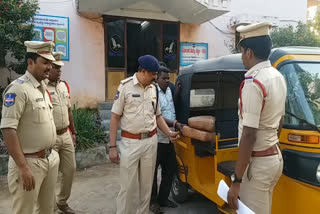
[95, 190]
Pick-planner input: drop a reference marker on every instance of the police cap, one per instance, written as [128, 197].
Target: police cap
[148, 62]
[254, 30]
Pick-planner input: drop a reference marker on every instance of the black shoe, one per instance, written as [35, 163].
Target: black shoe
[168, 203]
[155, 208]
[65, 209]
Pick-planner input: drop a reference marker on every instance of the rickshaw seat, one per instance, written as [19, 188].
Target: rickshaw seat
[227, 167]
[204, 149]
[227, 122]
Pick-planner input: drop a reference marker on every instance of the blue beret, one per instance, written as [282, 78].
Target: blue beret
[149, 63]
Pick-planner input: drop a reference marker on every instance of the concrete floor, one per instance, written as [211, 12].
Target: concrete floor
[95, 190]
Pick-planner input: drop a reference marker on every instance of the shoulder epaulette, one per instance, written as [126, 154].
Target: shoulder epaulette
[126, 80]
[21, 79]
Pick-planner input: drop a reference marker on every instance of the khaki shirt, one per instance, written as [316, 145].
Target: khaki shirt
[267, 121]
[136, 106]
[61, 103]
[30, 113]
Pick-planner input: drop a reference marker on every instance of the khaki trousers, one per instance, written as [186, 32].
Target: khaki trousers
[40, 200]
[259, 180]
[137, 164]
[67, 167]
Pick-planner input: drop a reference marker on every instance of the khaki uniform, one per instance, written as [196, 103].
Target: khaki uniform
[136, 105]
[262, 173]
[64, 145]
[30, 113]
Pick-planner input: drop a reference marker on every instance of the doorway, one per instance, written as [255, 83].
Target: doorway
[143, 37]
[126, 39]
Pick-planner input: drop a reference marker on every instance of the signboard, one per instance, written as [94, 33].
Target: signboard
[192, 52]
[55, 29]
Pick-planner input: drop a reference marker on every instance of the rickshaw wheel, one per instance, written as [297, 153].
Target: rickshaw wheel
[179, 190]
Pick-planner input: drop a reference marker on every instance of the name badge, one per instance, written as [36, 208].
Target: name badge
[135, 95]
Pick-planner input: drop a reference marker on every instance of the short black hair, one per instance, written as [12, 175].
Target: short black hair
[32, 56]
[260, 45]
[161, 70]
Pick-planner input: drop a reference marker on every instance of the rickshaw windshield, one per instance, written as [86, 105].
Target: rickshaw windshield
[303, 95]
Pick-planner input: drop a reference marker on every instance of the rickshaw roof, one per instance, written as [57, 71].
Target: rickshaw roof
[292, 50]
[234, 63]
[225, 63]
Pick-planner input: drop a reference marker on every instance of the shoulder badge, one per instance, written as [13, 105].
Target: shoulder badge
[117, 95]
[9, 99]
[126, 80]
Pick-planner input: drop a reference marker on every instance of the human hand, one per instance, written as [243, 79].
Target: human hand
[74, 139]
[174, 136]
[179, 127]
[26, 176]
[114, 155]
[233, 195]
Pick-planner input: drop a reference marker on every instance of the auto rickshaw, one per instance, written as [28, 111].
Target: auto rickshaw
[201, 165]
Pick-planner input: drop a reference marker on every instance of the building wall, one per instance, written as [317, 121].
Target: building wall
[204, 33]
[312, 3]
[85, 72]
[219, 32]
[312, 9]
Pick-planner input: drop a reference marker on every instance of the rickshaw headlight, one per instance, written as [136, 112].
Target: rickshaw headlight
[318, 173]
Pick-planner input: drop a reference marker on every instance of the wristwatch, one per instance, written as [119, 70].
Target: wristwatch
[235, 179]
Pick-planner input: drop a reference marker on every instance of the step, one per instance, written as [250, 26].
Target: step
[105, 114]
[105, 106]
[106, 124]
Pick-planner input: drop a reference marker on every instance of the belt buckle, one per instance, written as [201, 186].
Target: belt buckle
[47, 152]
[145, 135]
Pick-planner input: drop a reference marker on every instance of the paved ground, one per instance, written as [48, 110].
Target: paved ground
[95, 191]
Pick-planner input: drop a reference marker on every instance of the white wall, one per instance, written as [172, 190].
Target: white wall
[280, 12]
[85, 72]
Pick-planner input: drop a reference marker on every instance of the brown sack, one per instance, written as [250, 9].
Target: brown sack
[198, 134]
[205, 123]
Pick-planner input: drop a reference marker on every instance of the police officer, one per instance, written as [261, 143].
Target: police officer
[62, 114]
[137, 109]
[29, 133]
[262, 107]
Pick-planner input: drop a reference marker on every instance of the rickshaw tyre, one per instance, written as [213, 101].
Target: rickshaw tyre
[179, 190]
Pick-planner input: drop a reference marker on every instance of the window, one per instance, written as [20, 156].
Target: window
[170, 45]
[202, 97]
[115, 43]
[303, 95]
